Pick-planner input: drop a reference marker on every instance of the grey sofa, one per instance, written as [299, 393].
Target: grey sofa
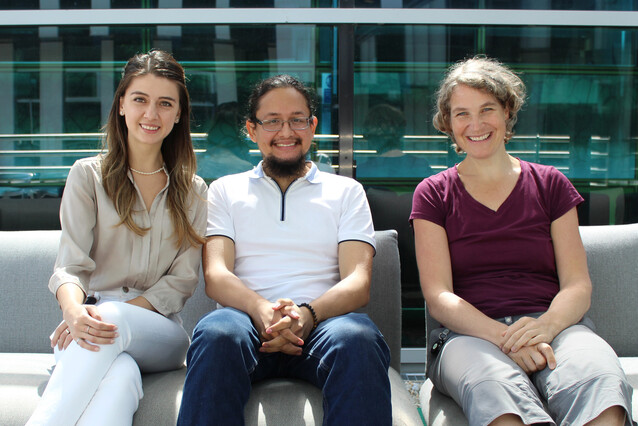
[612, 256]
[28, 313]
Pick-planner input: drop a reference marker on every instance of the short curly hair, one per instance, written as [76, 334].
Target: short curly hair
[485, 74]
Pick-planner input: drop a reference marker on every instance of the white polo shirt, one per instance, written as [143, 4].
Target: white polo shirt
[286, 244]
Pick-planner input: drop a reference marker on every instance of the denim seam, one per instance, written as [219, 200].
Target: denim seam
[322, 365]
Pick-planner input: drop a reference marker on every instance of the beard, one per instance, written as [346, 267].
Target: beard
[279, 168]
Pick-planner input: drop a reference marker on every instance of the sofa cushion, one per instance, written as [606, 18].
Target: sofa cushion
[23, 378]
[438, 409]
[29, 311]
[612, 252]
[303, 401]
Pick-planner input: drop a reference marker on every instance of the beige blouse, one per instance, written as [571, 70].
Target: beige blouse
[97, 254]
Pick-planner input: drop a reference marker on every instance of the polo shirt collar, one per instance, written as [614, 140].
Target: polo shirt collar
[313, 175]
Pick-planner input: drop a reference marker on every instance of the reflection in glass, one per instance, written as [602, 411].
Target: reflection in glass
[58, 83]
[226, 150]
[582, 112]
[382, 142]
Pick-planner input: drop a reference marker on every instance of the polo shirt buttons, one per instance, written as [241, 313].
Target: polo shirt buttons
[125, 289]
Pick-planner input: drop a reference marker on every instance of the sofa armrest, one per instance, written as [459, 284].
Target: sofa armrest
[385, 292]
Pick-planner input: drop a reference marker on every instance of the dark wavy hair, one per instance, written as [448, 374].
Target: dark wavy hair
[177, 149]
[280, 81]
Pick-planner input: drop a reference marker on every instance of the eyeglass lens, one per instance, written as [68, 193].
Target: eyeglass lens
[294, 123]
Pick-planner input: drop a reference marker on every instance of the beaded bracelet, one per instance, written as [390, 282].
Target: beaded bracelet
[312, 312]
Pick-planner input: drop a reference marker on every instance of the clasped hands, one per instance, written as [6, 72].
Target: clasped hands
[527, 342]
[282, 326]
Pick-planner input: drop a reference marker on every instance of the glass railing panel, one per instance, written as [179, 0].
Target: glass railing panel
[59, 84]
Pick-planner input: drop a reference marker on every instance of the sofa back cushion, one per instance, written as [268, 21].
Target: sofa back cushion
[29, 312]
[612, 257]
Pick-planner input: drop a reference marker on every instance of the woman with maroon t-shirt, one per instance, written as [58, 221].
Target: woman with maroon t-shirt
[503, 269]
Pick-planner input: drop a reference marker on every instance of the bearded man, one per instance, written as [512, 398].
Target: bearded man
[289, 257]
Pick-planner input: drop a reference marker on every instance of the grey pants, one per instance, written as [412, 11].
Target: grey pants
[486, 383]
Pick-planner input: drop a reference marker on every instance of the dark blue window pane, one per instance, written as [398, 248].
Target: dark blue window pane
[617, 5]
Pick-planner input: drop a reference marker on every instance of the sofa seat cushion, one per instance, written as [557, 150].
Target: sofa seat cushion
[441, 410]
[23, 378]
[267, 398]
[303, 401]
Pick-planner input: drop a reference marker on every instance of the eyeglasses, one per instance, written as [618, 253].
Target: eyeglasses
[297, 123]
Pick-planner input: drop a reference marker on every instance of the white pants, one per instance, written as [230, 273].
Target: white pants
[104, 387]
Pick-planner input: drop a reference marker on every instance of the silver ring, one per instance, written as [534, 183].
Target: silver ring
[77, 340]
[68, 331]
[88, 327]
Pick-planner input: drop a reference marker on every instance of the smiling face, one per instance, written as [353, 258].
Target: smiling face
[478, 121]
[286, 146]
[150, 106]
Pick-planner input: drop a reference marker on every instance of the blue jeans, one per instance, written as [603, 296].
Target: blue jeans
[345, 356]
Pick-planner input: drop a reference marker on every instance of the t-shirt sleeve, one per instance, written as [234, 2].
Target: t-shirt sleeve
[563, 196]
[219, 221]
[356, 221]
[427, 202]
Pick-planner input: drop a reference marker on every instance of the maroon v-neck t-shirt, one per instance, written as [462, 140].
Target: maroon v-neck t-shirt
[502, 261]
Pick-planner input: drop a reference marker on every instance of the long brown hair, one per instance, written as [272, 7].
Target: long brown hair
[177, 149]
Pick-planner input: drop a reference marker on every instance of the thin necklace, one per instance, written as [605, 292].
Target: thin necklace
[147, 173]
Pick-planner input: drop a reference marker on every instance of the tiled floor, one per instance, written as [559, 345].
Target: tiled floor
[413, 383]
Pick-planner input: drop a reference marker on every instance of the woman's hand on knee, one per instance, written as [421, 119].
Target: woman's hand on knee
[527, 331]
[61, 336]
[85, 326]
[97, 331]
[547, 351]
[534, 358]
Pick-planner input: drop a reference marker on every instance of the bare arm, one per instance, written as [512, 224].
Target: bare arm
[435, 273]
[573, 298]
[353, 291]
[222, 284]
